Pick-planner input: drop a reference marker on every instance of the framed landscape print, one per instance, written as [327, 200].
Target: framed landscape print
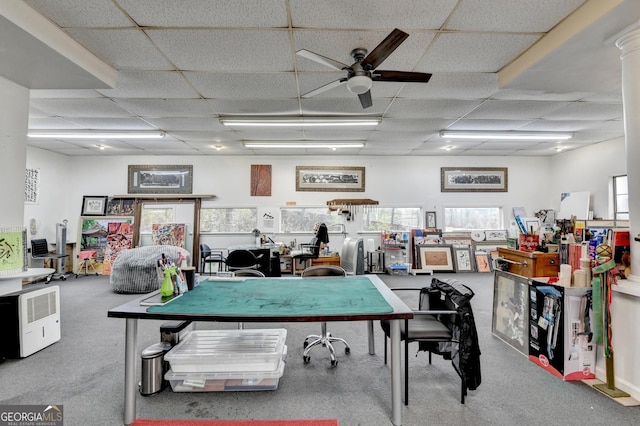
[473, 179]
[160, 179]
[330, 179]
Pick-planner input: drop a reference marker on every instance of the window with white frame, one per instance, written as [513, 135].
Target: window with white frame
[233, 219]
[155, 214]
[303, 219]
[390, 218]
[620, 198]
[470, 218]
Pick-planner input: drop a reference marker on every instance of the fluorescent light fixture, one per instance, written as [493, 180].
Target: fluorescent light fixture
[326, 145]
[511, 135]
[298, 121]
[97, 134]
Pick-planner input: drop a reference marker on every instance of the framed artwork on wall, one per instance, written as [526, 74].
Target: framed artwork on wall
[473, 179]
[330, 179]
[430, 220]
[94, 205]
[160, 179]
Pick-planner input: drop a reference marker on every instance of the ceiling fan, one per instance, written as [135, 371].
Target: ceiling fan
[363, 72]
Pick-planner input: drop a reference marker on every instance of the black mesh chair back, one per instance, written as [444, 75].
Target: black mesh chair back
[242, 259]
[248, 273]
[324, 271]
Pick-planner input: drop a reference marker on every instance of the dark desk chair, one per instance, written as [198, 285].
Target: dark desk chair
[40, 251]
[310, 250]
[442, 324]
[208, 256]
[243, 259]
[324, 338]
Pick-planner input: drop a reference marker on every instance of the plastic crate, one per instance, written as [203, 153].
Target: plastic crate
[225, 382]
[213, 351]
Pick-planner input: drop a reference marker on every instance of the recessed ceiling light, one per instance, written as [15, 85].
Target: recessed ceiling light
[97, 134]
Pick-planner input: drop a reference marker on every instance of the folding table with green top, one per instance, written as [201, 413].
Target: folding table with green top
[355, 298]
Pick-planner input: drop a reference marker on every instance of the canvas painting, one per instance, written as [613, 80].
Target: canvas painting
[119, 238]
[168, 234]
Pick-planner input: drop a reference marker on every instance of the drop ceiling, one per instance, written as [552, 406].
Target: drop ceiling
[183, 64]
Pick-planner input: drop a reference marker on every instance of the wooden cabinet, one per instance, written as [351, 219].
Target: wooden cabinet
[530, 264]
[326, 260]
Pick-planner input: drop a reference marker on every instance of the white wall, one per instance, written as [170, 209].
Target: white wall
[534, 183]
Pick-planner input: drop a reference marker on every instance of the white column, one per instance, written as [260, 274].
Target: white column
[628, 42]
[14, 117]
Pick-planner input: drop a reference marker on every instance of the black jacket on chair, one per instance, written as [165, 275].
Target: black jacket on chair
[465, 354]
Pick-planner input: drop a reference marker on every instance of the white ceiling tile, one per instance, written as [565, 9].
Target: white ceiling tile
[50, 123]
[586, 111]
[68, 93]
[562, 125]
[171, 124]
[84, 107]
[275, 135]
[122, 48]
[198, 13]
[418, 125]
[538, 95]
[336, 134]
[108, 123]
[366, 14]
[510, 15]
[150, 84]
[453, 86]
[342, 106]
[428, 108]
[488, 124]
[254, 106]
[86, 13]
[514, 110]
[397, 136]
[244, 85]
[474, 52]
[221, 136]
[225, 50]
[167, 107]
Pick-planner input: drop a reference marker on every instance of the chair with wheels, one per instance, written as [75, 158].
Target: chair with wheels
[324, 338]
[208, 256]
[442, 324]
[242, 259]
[40, 251]
[310, 250]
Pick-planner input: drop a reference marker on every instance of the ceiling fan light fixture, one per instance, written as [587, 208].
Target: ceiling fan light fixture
[509, 135]
[359, 84]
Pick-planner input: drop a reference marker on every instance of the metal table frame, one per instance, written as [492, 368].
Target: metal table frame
[133, 311]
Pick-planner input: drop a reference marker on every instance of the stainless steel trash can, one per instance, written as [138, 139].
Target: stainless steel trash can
[153, 368]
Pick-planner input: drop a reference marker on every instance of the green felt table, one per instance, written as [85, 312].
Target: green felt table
[273, 297]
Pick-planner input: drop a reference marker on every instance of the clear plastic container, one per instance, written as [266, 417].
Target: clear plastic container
[212, 351]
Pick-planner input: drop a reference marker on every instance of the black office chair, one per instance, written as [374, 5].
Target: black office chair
[40, 251]
[242, 259]
[208, 256]
[310, 250]
[324, 338]
[442, 324]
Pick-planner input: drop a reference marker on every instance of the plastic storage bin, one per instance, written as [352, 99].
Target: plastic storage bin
[225, 381]
[208, 351]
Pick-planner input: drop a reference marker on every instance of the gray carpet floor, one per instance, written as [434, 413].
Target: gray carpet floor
[84, 373]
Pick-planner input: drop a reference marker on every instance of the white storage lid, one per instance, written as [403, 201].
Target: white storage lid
[228, 350]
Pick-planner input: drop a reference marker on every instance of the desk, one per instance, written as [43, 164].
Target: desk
[301, 307]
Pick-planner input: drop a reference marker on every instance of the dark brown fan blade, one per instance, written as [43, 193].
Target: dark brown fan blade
[401, 76]
[365, 99]
[384, 49]
[324, 88]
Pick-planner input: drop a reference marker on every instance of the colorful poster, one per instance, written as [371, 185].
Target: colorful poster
[11, 251]
[168, 234]
[119, 238]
